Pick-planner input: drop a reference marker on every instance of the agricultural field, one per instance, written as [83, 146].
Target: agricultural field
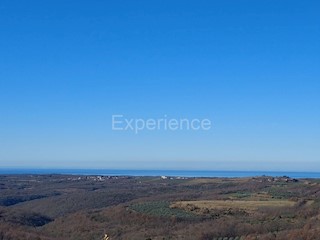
[248, 206]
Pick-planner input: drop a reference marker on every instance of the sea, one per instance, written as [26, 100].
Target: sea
[168, 173]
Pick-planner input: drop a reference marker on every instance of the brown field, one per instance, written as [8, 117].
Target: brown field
[248, 206]
[216, 180]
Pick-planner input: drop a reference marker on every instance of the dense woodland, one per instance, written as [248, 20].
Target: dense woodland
[65, 207]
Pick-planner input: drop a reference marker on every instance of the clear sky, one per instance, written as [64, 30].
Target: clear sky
[252, 67]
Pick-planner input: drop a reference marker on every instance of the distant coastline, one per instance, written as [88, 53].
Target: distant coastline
[175, 173]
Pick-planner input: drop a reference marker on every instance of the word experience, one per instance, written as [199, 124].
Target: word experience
[121, 123]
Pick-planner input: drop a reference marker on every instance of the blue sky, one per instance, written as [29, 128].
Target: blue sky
[252, 67]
